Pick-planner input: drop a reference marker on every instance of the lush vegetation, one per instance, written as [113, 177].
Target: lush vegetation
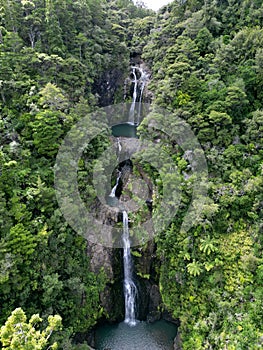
[206, 59]
[17, 334]
[59, 60]
[56, 58]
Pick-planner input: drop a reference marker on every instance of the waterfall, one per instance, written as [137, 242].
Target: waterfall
[143, 78]
[119, 145]
[132, 110]
[130, 290]
[113, 191]
[138, 83]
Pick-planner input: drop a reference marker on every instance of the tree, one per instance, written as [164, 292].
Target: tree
[221, 124]
[236, 102]
[18, 334]
[203, 40]
[47, 130]
[52, 98]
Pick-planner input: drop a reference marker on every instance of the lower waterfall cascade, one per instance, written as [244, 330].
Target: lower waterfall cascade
[129, 286]
[130, 289]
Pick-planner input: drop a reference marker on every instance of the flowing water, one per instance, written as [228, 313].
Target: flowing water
[132, 334]
[130, 289]
[113, 191]
[144, 79]
[134, 97]
[138, 89]
[119, 145]
[144, 336]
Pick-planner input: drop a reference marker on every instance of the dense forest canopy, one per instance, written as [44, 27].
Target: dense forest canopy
[61, 59]
[206, 67]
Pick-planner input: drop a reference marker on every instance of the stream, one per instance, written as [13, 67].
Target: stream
[132, 334]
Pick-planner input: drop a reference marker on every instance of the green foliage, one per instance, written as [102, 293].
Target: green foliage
[194, 268]
[59, 60]
[54, 56]
[17, 334]
[206, 68]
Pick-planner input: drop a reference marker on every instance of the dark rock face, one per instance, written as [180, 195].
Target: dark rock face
[178, 342]
[112, 300]
[145, 260]
[169, 318]
[150, 306]
[110, 260]
[101, 256]
[107, 86]
[146, 263]
[147, 281]
[155, 301]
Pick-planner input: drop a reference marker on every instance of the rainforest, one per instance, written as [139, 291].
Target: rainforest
[198, 66]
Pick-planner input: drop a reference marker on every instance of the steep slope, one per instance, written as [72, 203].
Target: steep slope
[60, 60]
[206, 59]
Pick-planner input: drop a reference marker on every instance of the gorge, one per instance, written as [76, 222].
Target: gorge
[103, 65]
[133, 333]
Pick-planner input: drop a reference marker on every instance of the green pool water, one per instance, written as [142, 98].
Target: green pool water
[144, 336]
[124, 130]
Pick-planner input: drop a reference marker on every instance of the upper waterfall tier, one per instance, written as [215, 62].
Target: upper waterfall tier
[139, 79]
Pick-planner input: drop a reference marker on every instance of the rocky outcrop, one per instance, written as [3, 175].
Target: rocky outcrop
[178, 342]
[155, 300]
[101, 257]
[107, 86]
[144, 258]
[111, 298]
[108, 259]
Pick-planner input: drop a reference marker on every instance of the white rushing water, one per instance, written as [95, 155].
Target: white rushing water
[119, 145]
[144, 78]
[139, 86]
[113, 191]
[130, 290]
[132, 110]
